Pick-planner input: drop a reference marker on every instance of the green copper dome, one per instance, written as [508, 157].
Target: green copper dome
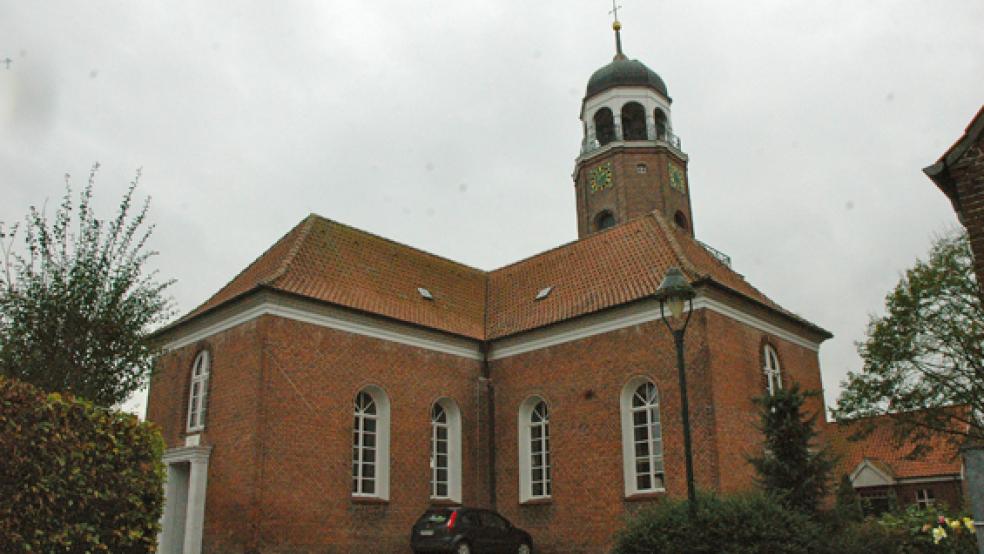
[625, 72]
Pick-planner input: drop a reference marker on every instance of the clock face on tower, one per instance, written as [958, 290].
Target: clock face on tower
[600, 177]
[677, 180]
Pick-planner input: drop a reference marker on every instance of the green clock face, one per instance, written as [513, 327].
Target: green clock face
[677, 180]
[600, 177]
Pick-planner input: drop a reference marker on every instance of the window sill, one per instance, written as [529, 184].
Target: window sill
[445, 502]
[369, 500]
[643, 496]
[537, 501]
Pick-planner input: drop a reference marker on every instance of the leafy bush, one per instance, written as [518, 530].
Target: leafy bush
[75, 478]
[913, 531]
[745, 524]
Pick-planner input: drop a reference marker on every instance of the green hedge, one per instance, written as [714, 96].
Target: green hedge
[743, 524]
[74, 477]
[911, 531]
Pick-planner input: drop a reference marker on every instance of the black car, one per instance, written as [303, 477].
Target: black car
[468, 531]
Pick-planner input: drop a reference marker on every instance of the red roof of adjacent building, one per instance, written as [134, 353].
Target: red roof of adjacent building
[880, 446]
[330, 262]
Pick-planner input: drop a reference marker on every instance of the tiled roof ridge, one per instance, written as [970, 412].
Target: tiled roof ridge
[307, 223]
[398, 243]
[552, 249]
[848, 421]
[671, 239]
[198, 310]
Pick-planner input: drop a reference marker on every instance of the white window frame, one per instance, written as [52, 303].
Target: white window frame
[198, 391]
[525, 426]
[452, 425]
[925, 498]
[381, 461]
[654, 441]
[772, 369]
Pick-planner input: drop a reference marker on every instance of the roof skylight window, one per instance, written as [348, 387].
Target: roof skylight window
[544, 292]
[425, 293]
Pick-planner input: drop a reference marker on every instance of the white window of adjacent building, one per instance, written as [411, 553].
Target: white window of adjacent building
[445, 461]
[925, 498]
[198, 392]
[772, 369]
[370, 444]
[534, 450]
[642, 437]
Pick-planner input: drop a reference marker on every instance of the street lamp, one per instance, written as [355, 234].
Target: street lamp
[674, 292]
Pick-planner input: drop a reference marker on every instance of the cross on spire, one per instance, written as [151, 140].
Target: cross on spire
[615, 7]
[617, 27]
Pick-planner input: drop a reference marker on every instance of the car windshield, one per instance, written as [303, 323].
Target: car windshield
[436, 516]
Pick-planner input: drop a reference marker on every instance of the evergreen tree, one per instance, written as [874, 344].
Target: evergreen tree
[848, 501]
[77, 305]
[792, 467]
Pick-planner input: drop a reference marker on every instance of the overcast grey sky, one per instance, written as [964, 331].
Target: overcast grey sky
[452, 126]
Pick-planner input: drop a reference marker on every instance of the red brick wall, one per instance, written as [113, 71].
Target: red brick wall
[736, 368]
[633, 194]
[280, 424]
[231, 427]
[968, 174]
[291, 446]
[581, 382]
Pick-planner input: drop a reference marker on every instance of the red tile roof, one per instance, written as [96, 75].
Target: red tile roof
[327, 261]
[942, 458]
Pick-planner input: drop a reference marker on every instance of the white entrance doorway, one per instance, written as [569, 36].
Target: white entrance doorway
[184, 500]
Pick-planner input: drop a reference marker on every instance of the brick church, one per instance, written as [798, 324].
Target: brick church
[343, 382]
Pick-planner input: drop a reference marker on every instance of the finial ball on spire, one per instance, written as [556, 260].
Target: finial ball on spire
[617, 25]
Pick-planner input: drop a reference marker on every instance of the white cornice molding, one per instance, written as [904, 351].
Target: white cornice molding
[367, 325]
[333, 319]
[597, 326]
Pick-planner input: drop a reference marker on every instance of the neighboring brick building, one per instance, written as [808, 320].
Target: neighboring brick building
[883, 472]
[343, 382]
[959, 173]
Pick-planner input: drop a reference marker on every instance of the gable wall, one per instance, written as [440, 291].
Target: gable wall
[581, 382]
[312, 376]
[232, 421]
[736, 368]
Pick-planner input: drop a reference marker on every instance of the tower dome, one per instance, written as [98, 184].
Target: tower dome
[625, 72]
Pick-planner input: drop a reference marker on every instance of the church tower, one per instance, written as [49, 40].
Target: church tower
[630, 162]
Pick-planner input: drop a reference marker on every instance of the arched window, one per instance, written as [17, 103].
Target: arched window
[604, 220]
[660, 119]
[604, 123]
[634, 121]
[772, 369]
[642, 437]
[445, 461]
[680, 220]
[534, 450]
[198, 391]
[370, 444]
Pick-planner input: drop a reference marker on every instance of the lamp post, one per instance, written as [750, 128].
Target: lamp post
[674, 292]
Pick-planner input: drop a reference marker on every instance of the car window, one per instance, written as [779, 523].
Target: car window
[470, 519]
[435, 517]
[490, 519]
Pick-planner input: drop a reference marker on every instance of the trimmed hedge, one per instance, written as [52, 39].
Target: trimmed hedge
[74, 477]
[743, 524]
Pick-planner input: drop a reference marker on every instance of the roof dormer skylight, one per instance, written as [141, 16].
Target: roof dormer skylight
[544, 292]
[426, 294]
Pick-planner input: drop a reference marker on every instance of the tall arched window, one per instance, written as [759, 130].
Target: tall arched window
[198, 391]
[633, 121]
[642, 437]
[604, 123]
[445, 462]
[534, 450]
[370, 444]
[772, 369]
[660, 119]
